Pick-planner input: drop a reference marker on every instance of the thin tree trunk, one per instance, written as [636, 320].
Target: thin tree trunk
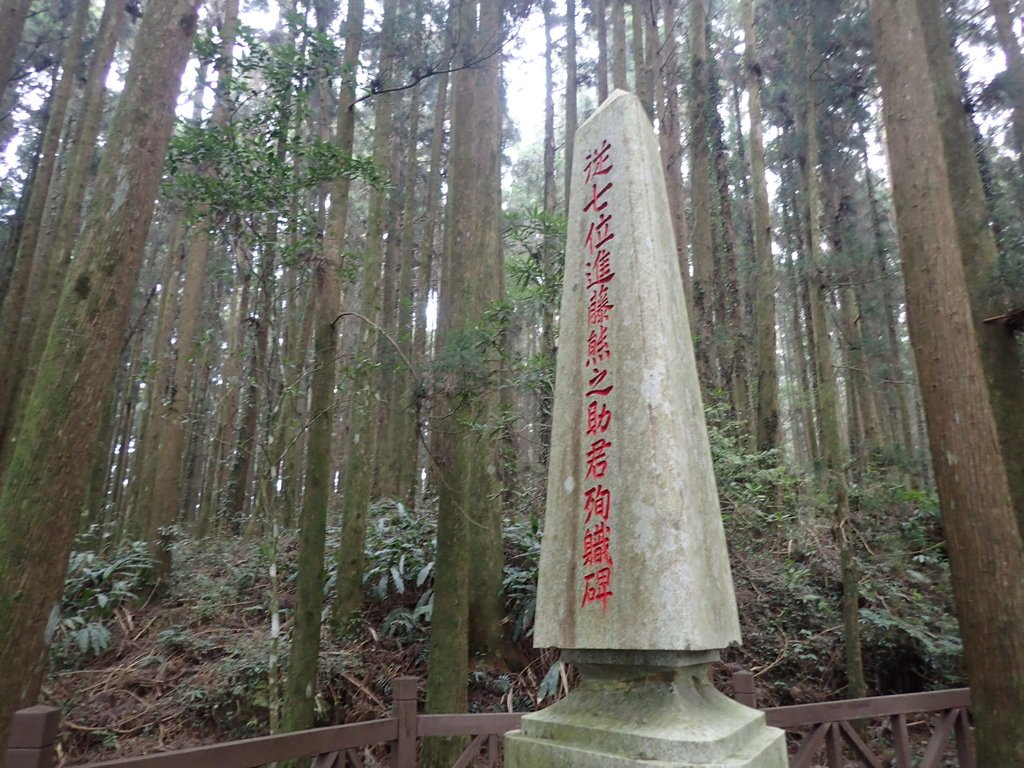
[805, 390]
[767, 429]
[169, 486]
[300, 688]
[362, 431]
[468, 518]
[619, 45]
[670, 140]
[889, 292]
[833, 455]
[421, 343]
[571, 119]
[12, 23]
[728, 297]
[702, 320]
[600, 13]
[403, 425]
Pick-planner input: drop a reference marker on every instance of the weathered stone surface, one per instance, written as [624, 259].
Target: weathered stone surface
[670, 586]
[625, 717]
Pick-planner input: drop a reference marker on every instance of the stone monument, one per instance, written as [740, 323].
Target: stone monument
[635, 586]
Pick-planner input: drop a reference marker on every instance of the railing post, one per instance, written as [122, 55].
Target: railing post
[404, 692]
[743, 688]
[33, 737]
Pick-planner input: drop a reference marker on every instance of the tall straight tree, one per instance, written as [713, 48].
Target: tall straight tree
[305, 650]
[169, 476]
[21, 306]
[670, 132]
[982, 534]
[362, 439]
[702, 234]
[471, 282]
[767, 411]
[12, 23]
[1001, 355]
[833, 450]
[571, 118]
[45, 484]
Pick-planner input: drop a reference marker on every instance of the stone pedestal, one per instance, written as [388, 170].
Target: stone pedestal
[638, 708]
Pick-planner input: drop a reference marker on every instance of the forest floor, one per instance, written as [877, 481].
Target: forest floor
[196, 666]
[199, 666]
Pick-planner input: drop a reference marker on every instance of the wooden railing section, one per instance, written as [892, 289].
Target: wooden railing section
[831, 727]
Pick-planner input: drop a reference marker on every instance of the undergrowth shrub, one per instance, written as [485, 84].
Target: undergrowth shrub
[101, 578]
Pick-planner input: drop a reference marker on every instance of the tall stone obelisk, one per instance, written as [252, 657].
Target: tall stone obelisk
[635, 585]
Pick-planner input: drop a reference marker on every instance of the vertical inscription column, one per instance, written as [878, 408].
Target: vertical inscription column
[597, 415]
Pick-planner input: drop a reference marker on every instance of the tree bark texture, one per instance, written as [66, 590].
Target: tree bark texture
[767, 412]
[20, 309]
[1001, 356]
[320, 461]
[46, 481]
[471, 281]
[702, 319]
[985, 551]
[833, 453]
[12, 23]
[363, 429]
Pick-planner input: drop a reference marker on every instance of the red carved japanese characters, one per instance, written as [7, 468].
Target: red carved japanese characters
[598, 277]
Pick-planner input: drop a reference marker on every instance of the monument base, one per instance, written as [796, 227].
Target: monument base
[651, 709]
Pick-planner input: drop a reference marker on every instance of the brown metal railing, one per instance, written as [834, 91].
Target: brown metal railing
[828, 726]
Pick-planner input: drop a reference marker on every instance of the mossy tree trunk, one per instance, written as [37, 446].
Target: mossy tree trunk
[21, 307]
[300, 690]
[46, 481]
[362, 440]
[468, 517]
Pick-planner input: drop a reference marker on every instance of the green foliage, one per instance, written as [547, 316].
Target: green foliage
[400, 549]
[234, 693]
[410, 624]
[536, 258]
[257, 162]
[551, 685]
[754, 487]
[98, 582]
[907, 615]
[522, 548]
[400, 556]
